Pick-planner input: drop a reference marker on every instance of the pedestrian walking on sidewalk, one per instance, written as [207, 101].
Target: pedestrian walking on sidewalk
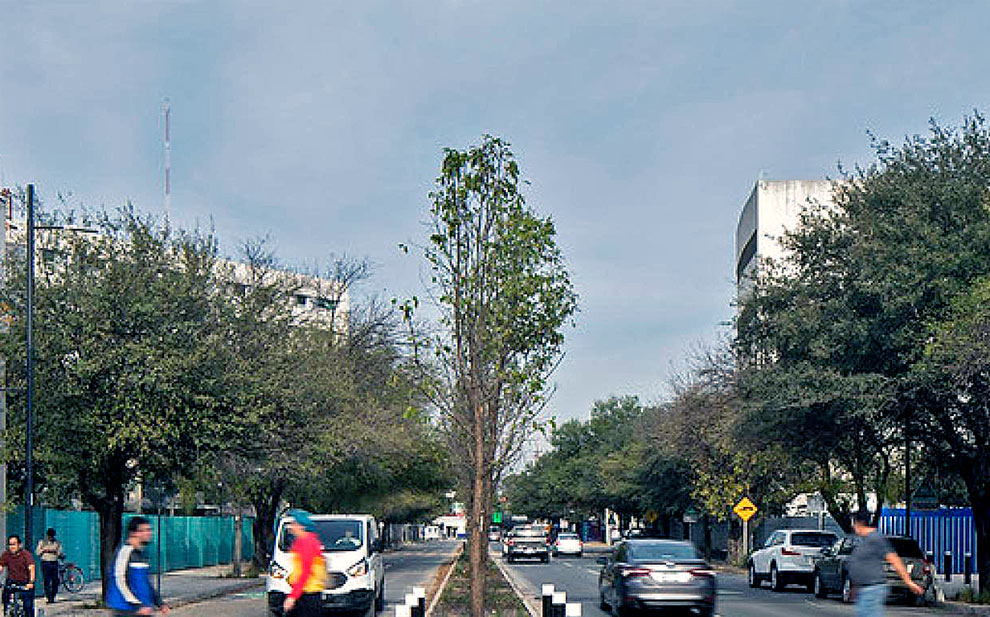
[865, 568]
[49, 550]
[309, 570]
[18, 564]
[131, 592]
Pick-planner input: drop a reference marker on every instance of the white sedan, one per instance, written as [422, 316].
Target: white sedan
[568, 544]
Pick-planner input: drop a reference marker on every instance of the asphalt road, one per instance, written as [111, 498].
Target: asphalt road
[579, 578]
[413, 566]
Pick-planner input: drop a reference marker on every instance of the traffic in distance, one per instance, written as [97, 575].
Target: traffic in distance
[795, 572]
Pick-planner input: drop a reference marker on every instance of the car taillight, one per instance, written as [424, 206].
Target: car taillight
[703, 572]
[510, 542]
[631, 572]
[788, 552]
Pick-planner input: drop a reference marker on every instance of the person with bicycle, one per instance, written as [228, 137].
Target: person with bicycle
[130, 591]
[49, 550]
[19, 566]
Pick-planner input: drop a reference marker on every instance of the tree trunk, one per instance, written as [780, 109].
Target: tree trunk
[266, 508]
[979, 498]
[111, 512]
[477, 536]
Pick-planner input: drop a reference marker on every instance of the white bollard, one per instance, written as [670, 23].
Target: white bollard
[573, 609]
[411, 599]
[402, 610]
[419, 592]
[559, 597]
[547, 589]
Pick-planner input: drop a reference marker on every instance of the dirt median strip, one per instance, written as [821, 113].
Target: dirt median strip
[530, 604]
[435, 590]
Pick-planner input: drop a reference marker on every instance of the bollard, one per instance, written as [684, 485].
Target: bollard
[968, 568]
[413, 603]
[947, 566]
[558, 602]
[420, 593]
[402, 610]
[547, 595]
[572, 609]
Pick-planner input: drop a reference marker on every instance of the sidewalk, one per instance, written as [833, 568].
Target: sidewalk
[178, 588]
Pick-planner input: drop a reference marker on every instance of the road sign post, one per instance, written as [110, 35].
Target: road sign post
[745, 510]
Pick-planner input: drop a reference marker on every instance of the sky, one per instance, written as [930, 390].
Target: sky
[640, 126]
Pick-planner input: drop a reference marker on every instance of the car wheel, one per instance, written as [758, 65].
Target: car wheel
[545, 559]
[754, 579]
[847, 590]
[776, 580]
[819, 586]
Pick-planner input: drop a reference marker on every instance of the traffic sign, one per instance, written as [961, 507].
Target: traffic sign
[690, 515]
[745, 509]
[497, 516]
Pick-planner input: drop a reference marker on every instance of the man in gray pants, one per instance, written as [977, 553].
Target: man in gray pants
[865, 568]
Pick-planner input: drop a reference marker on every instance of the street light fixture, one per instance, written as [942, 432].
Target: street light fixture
[29, 325]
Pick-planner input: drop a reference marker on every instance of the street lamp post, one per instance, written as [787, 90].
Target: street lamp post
[29, 326]
[29, 421]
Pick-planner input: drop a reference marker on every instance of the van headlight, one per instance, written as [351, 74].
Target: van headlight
[358, 569]
[276, 571]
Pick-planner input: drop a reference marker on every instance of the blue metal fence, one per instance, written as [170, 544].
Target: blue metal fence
[947, 529]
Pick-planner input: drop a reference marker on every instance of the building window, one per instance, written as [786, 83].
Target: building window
[326, 303]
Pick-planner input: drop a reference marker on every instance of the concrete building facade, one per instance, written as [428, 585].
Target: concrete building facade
[773, 207]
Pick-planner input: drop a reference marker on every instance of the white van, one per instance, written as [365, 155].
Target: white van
[355, 569]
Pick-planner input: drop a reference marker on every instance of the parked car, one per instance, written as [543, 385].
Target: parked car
[656, 574]
[494, 534]
[568, 544]
[831, 575]
[355, 569]
[788, 556]
[527, 543]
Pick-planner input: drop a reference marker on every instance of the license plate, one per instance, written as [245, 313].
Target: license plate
[671, 577]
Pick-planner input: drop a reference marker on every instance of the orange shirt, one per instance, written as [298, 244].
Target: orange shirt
[309, 569]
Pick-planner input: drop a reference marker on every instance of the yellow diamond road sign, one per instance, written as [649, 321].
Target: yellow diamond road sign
[745, 509]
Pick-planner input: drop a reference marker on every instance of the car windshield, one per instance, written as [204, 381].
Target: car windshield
[335, 535]
[818, 540]
[662, 551]
[907, 547]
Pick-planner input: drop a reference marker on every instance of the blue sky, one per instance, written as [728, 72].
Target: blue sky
[641, 126]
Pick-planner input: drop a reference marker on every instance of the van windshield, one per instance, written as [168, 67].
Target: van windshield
[335, 535]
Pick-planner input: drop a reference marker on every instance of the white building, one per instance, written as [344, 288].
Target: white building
[773, 207]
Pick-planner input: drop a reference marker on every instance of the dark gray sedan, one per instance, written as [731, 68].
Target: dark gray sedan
[656, 574]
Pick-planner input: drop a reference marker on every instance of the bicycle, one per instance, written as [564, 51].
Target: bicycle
[15, 604]
[71, 576]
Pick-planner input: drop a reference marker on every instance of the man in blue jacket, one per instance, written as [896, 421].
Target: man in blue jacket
[130, 591]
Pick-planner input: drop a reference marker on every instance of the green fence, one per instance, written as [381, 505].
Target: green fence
[186, 541]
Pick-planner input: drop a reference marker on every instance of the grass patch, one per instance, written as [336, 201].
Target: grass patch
[500, 600]
[969, 594]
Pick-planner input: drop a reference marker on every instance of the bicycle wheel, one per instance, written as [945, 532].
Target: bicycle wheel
[73, 579]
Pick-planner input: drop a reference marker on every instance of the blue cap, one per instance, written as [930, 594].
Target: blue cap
[303, 518]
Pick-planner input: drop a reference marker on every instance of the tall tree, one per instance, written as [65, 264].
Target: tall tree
[869, 277]
[130, 362]
[504, 295]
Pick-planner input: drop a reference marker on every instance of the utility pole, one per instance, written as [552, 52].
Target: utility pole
[29, 323]
[907, 472]
[6, 202]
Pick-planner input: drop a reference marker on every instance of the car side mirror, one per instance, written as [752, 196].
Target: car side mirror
[602, 561]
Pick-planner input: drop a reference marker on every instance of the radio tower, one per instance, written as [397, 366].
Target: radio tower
[167, 113]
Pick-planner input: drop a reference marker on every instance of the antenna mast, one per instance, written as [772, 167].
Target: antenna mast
[167, 113]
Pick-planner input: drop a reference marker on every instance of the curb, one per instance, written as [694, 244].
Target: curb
[443, 584]
[961, 608]
[530, 605]
[183, 601]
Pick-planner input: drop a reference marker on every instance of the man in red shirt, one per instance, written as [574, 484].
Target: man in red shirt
[19, 566]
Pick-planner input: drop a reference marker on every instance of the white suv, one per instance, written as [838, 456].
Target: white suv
[355, 569]
[788, 557]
